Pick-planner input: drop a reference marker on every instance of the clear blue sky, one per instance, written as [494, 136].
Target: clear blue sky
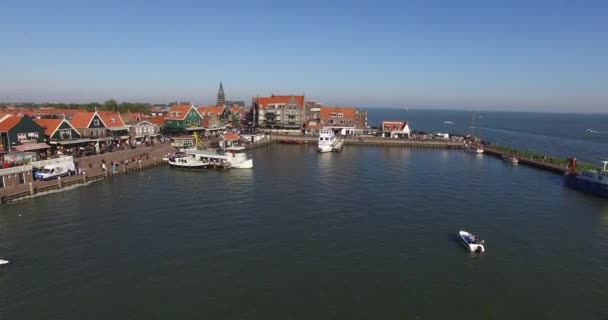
[528, 55]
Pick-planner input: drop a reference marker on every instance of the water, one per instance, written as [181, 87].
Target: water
[369, 233]
[559, 134]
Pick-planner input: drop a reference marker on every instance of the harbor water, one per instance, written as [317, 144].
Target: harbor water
[368, 233]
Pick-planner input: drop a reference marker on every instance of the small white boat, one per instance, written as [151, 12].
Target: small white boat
[3, 261]
[473, 148]
[448, 122]
[186, 161]
[510, 159]
[472, 242]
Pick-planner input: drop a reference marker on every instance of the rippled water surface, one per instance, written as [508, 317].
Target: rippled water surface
[365, 234]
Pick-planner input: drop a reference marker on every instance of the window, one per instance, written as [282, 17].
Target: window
[187, 122]
[96, 122]
[22, 178]
[113, 120]
[333, 114]
[341, 115]
[341, 121]
[65, 134]
[350, 122]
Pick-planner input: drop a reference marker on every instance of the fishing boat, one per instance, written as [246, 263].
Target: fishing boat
[589, 181]
[472, 242]
[3, 261]
[186, 161]
[510, 158]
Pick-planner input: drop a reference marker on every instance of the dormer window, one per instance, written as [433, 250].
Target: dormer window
[113, 120]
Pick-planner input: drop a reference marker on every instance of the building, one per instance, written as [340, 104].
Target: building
[220, 112]
[159, 110]
[339, 119]
[228, 140]
[221, 97]
[360, 120]
[22, 134]
[285, 111]
[143, 131]
[183, 119]
[59, 131]
[395, 129]
[100, 126]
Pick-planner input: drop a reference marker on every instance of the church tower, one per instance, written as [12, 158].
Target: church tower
[221, 98]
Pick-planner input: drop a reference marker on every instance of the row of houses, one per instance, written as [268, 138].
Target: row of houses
[26, 133]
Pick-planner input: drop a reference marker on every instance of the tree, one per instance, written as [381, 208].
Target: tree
[235, 121]
[110, 105]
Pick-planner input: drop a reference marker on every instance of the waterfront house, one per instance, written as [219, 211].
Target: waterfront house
[115, 125]
[89, 125]
[159, 110]
[220, 112]
[21, 133]
[339, 119]
[183, 119]
[360, 120]
[142, 131]
[59, 131]
[228, 140]
[395, 129]
[283, 111]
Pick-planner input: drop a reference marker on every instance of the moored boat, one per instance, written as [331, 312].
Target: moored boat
[291, 141]
[588, 181]
[186, 161]
[473, 148]
[231, 157]
[327, 141]
[472, 242]
[510, 158]
[3, 261]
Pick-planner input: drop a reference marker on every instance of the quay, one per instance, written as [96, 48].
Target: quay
[90, 168]
[530, 161]
[370, 141]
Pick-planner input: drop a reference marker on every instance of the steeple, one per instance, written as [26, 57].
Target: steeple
[221, 98]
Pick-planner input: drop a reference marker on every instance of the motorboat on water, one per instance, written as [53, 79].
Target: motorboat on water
[3, 261]
[510, 158]
[472, 242]
[589, 181]
[231, 157]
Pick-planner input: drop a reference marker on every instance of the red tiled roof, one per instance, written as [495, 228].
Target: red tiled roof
[263, 102]
[325, 113]
[213, 109]
[9, 123]
[158, 120]
[49, 125]
[111, 119]
[231, 136]
[401, 123]
[81, 119]
[184, 109]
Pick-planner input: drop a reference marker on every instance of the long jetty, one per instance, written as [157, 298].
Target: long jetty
[378, 142]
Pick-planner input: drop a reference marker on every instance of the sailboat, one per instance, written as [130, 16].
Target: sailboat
[473, 146]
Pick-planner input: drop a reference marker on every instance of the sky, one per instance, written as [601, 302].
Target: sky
[491, 55]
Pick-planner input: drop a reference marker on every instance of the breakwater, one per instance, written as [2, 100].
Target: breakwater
[378, 142]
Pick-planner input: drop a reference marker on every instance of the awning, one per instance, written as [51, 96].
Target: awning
[32, 146]
[67, 142]
[118, 129]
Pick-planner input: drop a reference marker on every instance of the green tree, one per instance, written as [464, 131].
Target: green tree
[235, 121]
[110, 105]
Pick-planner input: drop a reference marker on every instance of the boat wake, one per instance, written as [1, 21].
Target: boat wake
[448, 122]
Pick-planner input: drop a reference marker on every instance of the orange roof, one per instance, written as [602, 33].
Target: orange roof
[401, 123]
[49, 125]
[178, 112]
[263, 102]
[231, 136]
[213, 109]
[111, 119]
[9, 123]
[81, 119]
[325, 113]
[158, 120]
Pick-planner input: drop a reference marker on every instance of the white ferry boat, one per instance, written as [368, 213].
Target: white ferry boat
[232, 157]
[470, 148]
[327, 141]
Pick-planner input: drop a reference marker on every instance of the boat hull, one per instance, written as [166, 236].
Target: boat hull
[247, 164]
[3, 261]
[188, 166]
[466, 239]
[586, 186]
[324, 149]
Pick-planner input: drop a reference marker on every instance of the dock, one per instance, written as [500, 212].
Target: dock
[536, 163]
[379, 142]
